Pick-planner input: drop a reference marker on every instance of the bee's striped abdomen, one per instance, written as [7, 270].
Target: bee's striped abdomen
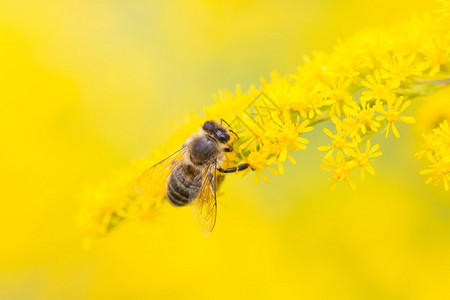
[183, 185]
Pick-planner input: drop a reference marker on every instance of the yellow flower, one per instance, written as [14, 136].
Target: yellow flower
[279, 89]
[259, 160]
[436, 51]
[312, 68]
[349, 125]
[340, 167]
[339, 95]
[430, 143]
[443, 131]
[287, 133]
[377, 89]
[113, 200]
[439, 170]
[437, 150]
[365, 115]
[400, 68]
[344, 62]
[374, 46]
[363, 159]
[285, 137]
[340, 142]
[392, 114]
[309, 98]
[226, 104]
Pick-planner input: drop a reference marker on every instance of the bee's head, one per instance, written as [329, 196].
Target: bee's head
[217, 131]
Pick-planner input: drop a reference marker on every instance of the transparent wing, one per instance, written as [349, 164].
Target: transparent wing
[204, 206]
[158, 173]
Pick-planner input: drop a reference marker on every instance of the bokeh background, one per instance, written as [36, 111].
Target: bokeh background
[88, 86]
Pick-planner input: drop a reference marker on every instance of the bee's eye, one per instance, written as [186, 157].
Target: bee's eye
[222, 136]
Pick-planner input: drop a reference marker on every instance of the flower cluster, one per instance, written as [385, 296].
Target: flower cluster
[363, 87]
[436, 148]
[114, 200]
[376, 74]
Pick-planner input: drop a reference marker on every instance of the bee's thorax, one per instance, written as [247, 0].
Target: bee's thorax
[202, 150]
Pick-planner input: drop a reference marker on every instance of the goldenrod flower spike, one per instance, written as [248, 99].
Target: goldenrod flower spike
[363, 87]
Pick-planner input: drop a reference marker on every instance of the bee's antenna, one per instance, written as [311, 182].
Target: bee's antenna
[234, 133]
[222, 120]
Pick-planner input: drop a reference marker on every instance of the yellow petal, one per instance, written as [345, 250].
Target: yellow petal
[264, 177]
[394, 129]
[256, 178]
[292, 159]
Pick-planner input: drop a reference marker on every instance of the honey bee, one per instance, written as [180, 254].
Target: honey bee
[190, 174]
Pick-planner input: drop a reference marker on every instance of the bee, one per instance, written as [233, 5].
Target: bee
[190, 174]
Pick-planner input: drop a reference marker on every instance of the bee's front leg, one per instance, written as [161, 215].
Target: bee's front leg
[238, 168]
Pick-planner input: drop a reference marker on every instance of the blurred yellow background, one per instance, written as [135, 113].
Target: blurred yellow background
[87, 86]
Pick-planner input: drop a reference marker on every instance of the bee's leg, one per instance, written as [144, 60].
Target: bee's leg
[229, 149]
[238, 168]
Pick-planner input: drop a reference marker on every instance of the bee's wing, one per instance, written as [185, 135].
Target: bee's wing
[158, 173]
[204, 206]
